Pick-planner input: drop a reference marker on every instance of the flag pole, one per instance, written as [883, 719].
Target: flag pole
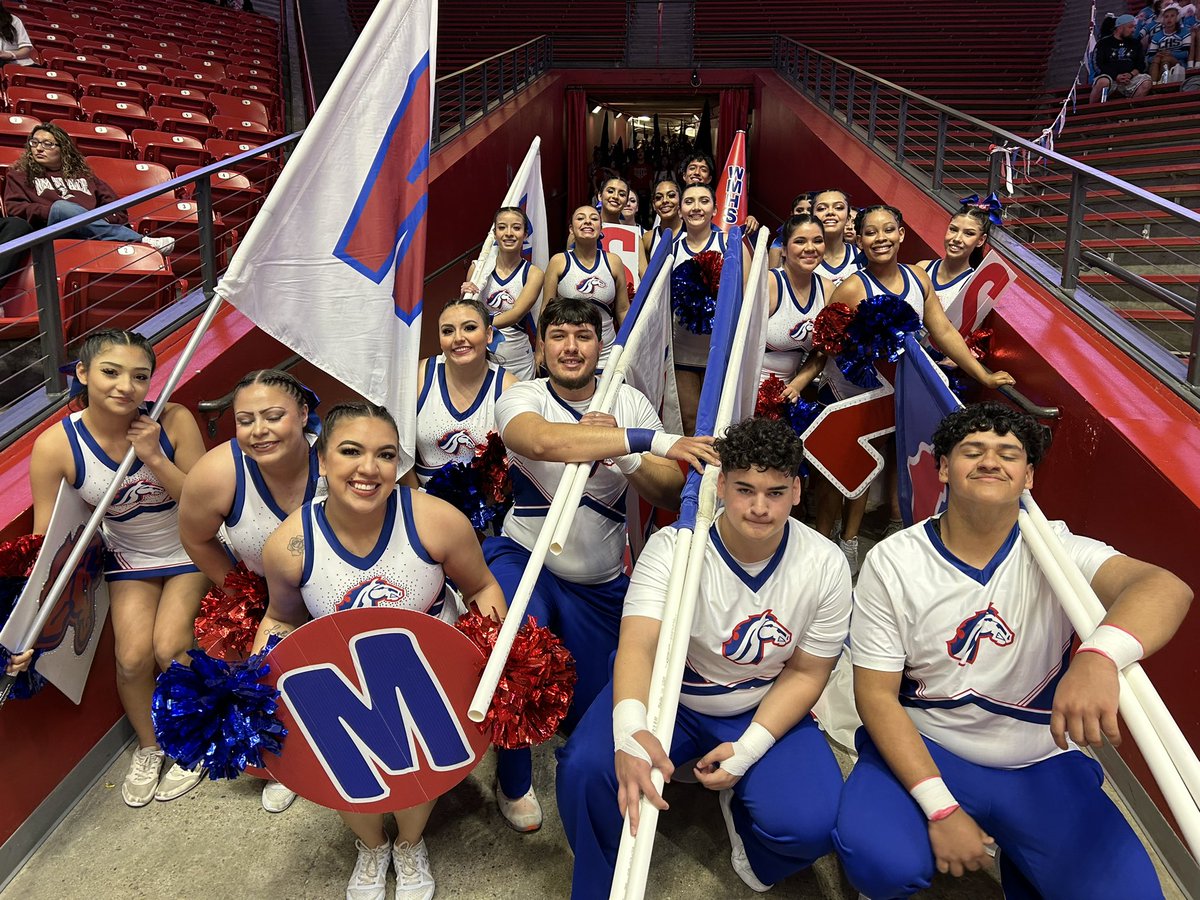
[485, 263]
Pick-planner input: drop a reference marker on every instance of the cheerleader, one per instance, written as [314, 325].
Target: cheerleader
[966, 236]
[841, 259]
[797, 293]
[367, 528]
[242, 490]
[586, 272]
[509, 294]
[665, 203]
[154, 588]
[802, 205]
[616, 191]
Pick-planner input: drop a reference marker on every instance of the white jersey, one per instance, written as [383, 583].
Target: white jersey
[597, 285]
[982, 650]
[255, 515]
[750, 618]
[952, 288]
[691, 350]
[595, 550]
[790, 327]
[510, 343]
[398, 572]
[446, 434]
[852, 261]
[913, 293]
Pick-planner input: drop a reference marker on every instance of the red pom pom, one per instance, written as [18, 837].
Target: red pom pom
[491, 462]
[771, 403]
[979, 341]
[229, 618]
[710, 262]
[18, 555]
[829, 329]
[535, 689]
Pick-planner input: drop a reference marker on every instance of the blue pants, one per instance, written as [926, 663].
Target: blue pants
[587, 617]
[98, 230]
[784, 808]
[1060, 837]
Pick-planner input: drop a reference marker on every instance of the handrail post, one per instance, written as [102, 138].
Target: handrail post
[850, 88]
[462, 103]
[833, 75]
[1070, 263]
[1193, 372]
[816, 95]
[994, 164]
[500, 91]
[807, 70]
[208, 243]
[901, 128]
[873, 114]
[483, 87]
[939, 157]
[52, 338]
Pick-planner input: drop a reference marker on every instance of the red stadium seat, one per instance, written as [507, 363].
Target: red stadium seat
[15, 130]
[181, 98]
[240, 108]
[170, 149]
[259, 169]
[202, 65]
[145, 73]
[42, 104]
[9, 155]
[160, 58]
[237, 72]
[46, 79]
[200, 80]
[76, 63]
[121, 113]
[42, 31]
[111, 285]
[99, 46]
[265, 96]
[114, 89]
[180, 219]
[57, 15]
[99, 140]
[129, 176]
[234, 129]
[184, 121]
[235, 199]
[153, 45]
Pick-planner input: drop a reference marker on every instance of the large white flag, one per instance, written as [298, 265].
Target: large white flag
[334, 264]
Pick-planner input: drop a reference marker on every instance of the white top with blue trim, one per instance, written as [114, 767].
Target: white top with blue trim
[255, 514]
[982, 650]
[952, 288]
[597, 285]
[595, 549]
[446, 434]
[852, 261]
[790, 328]
[398, 572]
[692, 349]
[141, 525]
[510, 343]
[750, 619]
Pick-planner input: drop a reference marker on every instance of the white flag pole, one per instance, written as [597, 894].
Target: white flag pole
[485, 263]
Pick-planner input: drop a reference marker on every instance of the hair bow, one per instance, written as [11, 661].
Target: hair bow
[75, 387]
[990, 204]
[313, 423]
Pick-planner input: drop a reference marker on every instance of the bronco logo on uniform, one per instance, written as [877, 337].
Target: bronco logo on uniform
[590, 285]
[455, 442]
[376, 592]
[748, 642]
[146, 496]
[984, 623]
[801, 330]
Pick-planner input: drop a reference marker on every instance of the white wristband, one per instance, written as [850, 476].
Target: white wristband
[748, 749]
[629, 717]
[628, 464]
[663, 442]
[934, 798]
[1121, 647]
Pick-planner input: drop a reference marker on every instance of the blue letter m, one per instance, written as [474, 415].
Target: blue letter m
[354, 734]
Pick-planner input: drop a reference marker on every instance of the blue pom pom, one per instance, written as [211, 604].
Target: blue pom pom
[803, 413]
[217, 714]
[876, 333]
[691, 301]
[28, 682]
[458, 484]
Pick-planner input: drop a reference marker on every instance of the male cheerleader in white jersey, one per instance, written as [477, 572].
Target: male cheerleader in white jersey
[545, 425]
[773, 612]
[974, 709]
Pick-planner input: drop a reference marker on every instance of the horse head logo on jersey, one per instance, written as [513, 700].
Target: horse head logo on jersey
[138, 495]
[590, 285]
[76, 607]
[500, 301]
[801, 331]
[452, 443]
[986, 623]
[376, 592]
[748, 642]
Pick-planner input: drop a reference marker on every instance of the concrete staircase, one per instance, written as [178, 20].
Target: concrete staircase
[648, 47]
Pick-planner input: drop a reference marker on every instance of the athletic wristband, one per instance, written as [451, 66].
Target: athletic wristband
[629, 717]
[663, 442]
[628, 464]
[639, 440]
[934, 798]
[1116, 644]
[748, 749]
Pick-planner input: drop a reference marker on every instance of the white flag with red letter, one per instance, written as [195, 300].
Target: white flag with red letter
[334, 264]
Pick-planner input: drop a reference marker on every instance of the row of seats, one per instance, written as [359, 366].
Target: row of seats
[261, 31]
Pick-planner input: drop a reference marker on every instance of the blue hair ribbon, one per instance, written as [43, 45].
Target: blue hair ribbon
[990, 204]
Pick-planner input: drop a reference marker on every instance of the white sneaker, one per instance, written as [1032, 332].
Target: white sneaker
[523, 814]
[276, 798]
[368, 881]
[164, 245]
[850, 548]
[737, 858]
[142, 777]
[178, 781]
[414, 878]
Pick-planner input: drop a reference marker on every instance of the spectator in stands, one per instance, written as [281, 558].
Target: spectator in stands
[1168, 46]
[51, 183]
[15, 46]
[11, 228]
[1120, 63]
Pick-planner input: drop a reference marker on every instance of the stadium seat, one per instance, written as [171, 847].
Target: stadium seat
[114, 89]
[240, 108]
[184, 121]
[76, 63]
[15, 129]
[235, 199]
[106, 284]
[57, 15]
[141, 72]
[51, 32]
[121, 113]
[129, 176]
[46, 79]
[170, 149]
[102, 47]
[152, 45]
[42, 104]
[181, 98]
[203, 81]
[234, 129]
[159, 58]
[98, 140]
[261, 170]
[238, 72]
[202, 65]
[8, 156]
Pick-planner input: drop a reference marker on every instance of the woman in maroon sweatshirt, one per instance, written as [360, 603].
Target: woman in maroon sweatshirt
[51, 183]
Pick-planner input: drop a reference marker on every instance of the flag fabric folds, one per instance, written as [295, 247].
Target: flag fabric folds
[333, 266]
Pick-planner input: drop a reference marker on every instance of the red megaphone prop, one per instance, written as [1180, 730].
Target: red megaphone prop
[731, 190]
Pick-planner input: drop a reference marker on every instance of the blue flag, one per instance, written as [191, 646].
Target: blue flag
[923, 399]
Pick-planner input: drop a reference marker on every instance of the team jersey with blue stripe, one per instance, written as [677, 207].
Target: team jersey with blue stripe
[510, 343]
[691, 350]
[750, 618]
[255, 514]
[981, 650]
[790, 327]
[141, 525]
[598, 286]
[952, 288]
[852, 261]
[595, 550]
[446, 434]
[398, 572]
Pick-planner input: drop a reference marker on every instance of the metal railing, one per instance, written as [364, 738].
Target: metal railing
[464, 97]
[1123, 257]
[75, 287]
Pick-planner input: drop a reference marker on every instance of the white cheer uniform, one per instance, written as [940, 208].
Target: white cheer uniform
[446, 434]
[982, 650]
[691, 350]
[852, 261]
[510, 343]
[597, 285]
[398, 572]
[141, 525]
[952, 288]
[790, 328]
